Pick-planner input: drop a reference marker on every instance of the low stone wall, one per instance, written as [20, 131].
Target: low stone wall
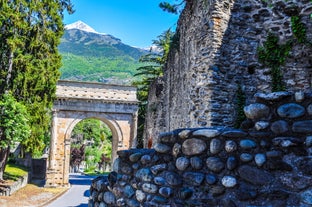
[266, 163]
[7, 190]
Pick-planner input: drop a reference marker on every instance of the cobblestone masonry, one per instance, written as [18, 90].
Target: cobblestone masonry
[215, 51]
[268, 163]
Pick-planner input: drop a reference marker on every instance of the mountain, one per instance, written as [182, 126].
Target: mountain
[91, 56]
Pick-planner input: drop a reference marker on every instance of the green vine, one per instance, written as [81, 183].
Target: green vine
[298, 28]
[273, 55]
[240, 103]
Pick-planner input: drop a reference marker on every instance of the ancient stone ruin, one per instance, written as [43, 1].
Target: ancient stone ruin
[267, 163]
[216, 52]
[226, 59]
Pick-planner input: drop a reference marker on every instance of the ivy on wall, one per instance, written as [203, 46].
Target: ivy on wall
[298, 29]
[273, 55]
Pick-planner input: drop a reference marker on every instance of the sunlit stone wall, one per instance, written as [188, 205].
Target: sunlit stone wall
[267, 163]
[215, 52]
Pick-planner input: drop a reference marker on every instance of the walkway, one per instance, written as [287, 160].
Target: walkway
[77, 195]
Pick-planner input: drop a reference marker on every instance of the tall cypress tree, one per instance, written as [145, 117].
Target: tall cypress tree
[30, 62]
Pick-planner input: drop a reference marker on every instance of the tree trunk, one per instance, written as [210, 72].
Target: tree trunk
[10, 68]
[4, 154]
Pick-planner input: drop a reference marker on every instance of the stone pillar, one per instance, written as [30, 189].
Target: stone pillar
[53, 141]
[133, 133]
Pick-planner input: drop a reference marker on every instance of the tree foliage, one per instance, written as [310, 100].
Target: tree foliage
[92, 130]
[172, 8]
[77, 155]
[97, 138]
[148, 73]
[14, 126]
[30, 62]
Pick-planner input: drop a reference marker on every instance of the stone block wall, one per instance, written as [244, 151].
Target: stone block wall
[216, 52]
[267, 163]
[7, 190]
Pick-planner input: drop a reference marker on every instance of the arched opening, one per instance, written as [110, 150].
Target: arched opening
[91, 147]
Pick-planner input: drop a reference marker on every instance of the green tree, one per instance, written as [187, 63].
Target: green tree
[100, 137]
[14, 126]
[92, 130]
[30, 62]
[172, 8]
[77, 155]
[152, 69]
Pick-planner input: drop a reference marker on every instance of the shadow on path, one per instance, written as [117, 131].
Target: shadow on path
[78, 179]
[83, 205]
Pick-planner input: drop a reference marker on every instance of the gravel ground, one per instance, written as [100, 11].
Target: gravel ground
[31, 196]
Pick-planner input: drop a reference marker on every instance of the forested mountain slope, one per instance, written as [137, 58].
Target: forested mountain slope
[91, 56]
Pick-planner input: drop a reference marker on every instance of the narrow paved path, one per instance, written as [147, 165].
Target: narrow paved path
[77, 195]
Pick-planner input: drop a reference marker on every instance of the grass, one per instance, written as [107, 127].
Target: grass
[96, 173]
[13, 171]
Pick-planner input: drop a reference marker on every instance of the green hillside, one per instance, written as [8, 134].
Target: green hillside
[97, 57]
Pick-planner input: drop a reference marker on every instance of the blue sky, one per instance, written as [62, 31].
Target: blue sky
[135, 22]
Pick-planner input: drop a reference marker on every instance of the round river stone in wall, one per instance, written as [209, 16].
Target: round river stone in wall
[158, 168]
[291, 110]
[145, 159]
[144, 174]
[196, 163]
[246, 157]
[184, 134]
[193, 146]
[260, 125]
[173, 179]
[228, 181]
[166, 192]
[159, 181]
[211, 179]
[230, 146]
[309, 109]
[182, 163]
[193, 178]
[302, 126]
[162, 148]
[135, 157]
[260, 159]
[214, 164]
[279, 127]
[176, 149]
[209, 133]
[109, 197]
[247, 144]
[149, 188]
[257, 111]
[275, 96]
[215, 146]
[308, 141]
[140, 195]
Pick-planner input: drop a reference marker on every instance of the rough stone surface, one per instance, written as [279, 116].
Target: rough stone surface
[255, 175]
[193, 146]
[290, 110]
[257, 111]
[216, 53]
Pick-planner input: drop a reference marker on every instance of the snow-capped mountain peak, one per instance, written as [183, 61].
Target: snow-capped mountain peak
[81, 26]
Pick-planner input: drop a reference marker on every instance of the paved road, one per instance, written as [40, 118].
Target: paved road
[77, 195]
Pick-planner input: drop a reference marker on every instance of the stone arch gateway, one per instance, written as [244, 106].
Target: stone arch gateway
[115, 105]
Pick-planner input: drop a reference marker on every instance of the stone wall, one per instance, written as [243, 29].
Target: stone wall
[215, 52]
[7, 190]
[267, 163]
